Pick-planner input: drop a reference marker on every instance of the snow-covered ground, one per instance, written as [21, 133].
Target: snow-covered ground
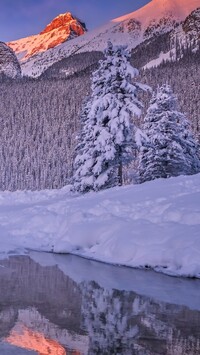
[155, 224]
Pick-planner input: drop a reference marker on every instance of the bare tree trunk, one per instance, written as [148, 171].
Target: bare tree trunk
[120, 174]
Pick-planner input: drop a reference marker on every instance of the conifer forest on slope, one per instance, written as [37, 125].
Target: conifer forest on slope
[40, 118]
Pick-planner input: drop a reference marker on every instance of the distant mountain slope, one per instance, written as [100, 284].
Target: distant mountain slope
[9, 65]
[62, 28]
[156, 18]
[162, 46]
[156, 9]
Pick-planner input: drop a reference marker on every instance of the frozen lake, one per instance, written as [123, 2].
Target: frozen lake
[63, 304]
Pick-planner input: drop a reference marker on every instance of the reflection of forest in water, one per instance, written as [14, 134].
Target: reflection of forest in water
[43, 309]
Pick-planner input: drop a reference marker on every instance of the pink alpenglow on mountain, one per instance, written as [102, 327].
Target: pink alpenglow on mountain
[39, 52]
[63, 28]
[156, 9]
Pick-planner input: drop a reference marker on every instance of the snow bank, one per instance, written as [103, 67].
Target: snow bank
[154, 225]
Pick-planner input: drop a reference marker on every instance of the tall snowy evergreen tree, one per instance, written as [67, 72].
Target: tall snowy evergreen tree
[171, 149]
[108, 132]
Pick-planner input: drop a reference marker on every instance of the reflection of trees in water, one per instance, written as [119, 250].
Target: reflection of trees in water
[117, 322]
[121, 322]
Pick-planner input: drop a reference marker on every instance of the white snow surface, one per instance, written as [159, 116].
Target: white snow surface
[155, 224]
[156, 62]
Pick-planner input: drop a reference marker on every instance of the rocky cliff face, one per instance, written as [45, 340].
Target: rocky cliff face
[63, 28]
[9, 64]
[192, 23]
[157, 28]
[66, 22]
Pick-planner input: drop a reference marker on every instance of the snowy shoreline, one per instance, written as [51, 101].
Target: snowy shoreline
[154, 225]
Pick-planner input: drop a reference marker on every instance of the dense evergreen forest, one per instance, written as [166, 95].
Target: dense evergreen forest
[40, 118]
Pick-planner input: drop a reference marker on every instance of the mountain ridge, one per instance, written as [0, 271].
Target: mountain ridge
[157, 17]
[179, 8]
[61, 29]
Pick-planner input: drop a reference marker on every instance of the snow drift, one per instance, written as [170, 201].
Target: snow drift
[153, 225]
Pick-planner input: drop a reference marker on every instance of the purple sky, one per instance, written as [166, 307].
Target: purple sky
[21, 18]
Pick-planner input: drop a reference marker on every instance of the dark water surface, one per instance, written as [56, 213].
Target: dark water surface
[64, 305]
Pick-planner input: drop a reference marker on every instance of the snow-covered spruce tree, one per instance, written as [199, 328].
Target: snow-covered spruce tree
[171, 149]
[107, 138]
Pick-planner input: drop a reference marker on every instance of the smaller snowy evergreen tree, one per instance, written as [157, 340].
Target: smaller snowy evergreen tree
[84, 152]
[107, 138]
[171, 149]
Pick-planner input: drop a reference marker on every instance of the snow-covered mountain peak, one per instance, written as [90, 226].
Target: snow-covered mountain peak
[157, 9]
[64, 21]
[61, 29]
[65, 14]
